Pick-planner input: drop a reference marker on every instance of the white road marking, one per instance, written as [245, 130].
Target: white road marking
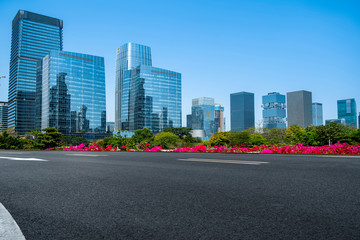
[24, 159]
[85, 155]
[340, 156]
[8, 227]
[223, 161]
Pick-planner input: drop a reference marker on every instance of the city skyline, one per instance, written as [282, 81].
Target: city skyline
[245, 64]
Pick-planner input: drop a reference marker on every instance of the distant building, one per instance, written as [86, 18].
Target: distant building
[242, 112]
[219, 118]
[203, 115]
[317, 111]
[328, 121]
[347, 110]
[145, 96]
[33, 36]
[73, 93]
[188, 121]
[299, 108]
[274, 112]
[110, 126]
[3, 116]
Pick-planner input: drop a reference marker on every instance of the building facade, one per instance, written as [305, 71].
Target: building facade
[33, 35]
[274, 112]
[299, 108]
[203, 115]
[328, 121]
[347, 110]
[73, 93]
[219, 118]
[129, 56]
[242, 112]
[3, 116]
[317, 111]
[145, 96]
[189, 120]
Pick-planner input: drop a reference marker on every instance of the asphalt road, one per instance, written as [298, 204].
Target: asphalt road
[127, 195]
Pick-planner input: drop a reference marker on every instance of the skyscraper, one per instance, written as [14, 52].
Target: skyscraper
[73, 93]
[188, 121]
[242, 112]
[33, 35]
[274, 112]
[145, 96]
[219, 118]
[317, 111]
[3, 115]
[203, 115]
[299, 108]
[347, 110]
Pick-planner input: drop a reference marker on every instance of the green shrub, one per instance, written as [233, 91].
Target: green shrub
[219, 139]
[8, 141]
[143, 136]
[237, 138]
[166, 139]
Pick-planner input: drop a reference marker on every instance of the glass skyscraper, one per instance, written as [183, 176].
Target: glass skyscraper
[317, 111]
[145, 96]
[242, 111]
[347, 110]
[274, 112]
[33, 35]
[73, 93]
[203, 115]
[3, 115]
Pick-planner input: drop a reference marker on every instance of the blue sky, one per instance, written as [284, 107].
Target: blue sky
[220, 47]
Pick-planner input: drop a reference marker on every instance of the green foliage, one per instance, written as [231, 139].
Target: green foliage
[47, 138]
[219, 139]
[335, 132]
[257, 139]
[237, 138]
[166, 139]
[356, 136]
[74, 140]
[8, 141]
[181, 132]
[276, 136]
[143, 136]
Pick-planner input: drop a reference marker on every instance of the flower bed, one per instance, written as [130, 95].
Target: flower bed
[338, 148]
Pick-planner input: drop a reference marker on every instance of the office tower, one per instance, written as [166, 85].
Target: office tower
[110, 126]
[274, 112]
[203, 115]
[328, 121]
[317, 113]
[188, 121]
[73, 93]
[3, 116]
[33, 35]
[219, 118]
[347, 110]
[242, 113]
[299, 108]
[145, 96]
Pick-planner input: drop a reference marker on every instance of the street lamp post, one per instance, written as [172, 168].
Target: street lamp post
[1, 78]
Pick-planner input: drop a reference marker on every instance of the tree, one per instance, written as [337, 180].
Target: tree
[236, 138]
[8, 141]
[181, 132]
[166, 139]
[275, 135]
[142, 136]
[47, 138]
[219, 139]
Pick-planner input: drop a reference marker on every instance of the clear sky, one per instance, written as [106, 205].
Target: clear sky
[220, 47]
